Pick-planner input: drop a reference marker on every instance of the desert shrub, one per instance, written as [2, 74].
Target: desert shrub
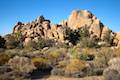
[11, 42]
[21, 64]
[62, 64]
[2, 42]
[84, 32]
[12, 52]
[71, 68]
[75, 65]
[80, 53]
[80, 36]
[116, 53]
[32, 45]
[87, 54]
[4, 58]
[55, 55]
[41, 62]
[76, 68]
[85, 40]
[103, 56]
[40, 44]
[59, 68]
[71, 35]
[86, 57]
[61, 45]
[88, 42]
[14, 41]
[108, 39]
[73, 52]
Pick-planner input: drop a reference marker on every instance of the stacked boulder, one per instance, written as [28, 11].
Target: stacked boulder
[77, 20]
[84, 18]
[39, 28]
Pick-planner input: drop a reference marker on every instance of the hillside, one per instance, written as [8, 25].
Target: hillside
[80, 47]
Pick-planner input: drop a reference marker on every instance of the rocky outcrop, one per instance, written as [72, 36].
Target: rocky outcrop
[42, 27]
[39, 28]
[79, 19]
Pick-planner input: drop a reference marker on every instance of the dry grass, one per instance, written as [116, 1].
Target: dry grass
[75, 65]
[40, 61]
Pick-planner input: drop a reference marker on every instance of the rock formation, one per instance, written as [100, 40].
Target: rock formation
[78, 19]
[39, 28]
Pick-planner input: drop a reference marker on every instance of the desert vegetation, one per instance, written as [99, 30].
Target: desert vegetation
[78, 61]
[58, 51]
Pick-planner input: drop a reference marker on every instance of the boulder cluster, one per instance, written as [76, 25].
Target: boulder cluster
[78, 19]
[39, 28]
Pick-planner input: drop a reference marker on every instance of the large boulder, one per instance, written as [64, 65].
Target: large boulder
[79, 19]
[27, 41]
[21, 64]
[113, 71]
[95, 28]
[117, 39]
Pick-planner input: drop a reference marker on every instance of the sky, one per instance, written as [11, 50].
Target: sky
[12, 11]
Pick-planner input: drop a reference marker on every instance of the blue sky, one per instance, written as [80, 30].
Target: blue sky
[12, 11]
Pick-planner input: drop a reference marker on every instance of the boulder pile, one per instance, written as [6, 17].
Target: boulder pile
[42, 27]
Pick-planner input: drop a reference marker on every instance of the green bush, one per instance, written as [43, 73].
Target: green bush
[72, 35]
[85, 40]
[40, 44]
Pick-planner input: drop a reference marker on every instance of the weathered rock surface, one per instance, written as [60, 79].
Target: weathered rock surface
[83, 18]
[42, 27]
[79, 19]
[39, 28]
[117, 39]
[113, 71]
